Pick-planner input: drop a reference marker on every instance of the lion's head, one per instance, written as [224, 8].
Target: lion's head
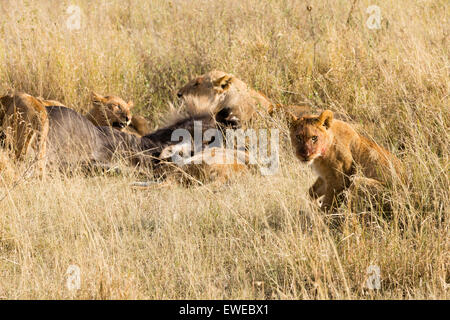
[310, 135]
[209, 85]
[228, 94]
[110, 111]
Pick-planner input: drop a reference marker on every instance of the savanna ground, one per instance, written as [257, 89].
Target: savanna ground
[258, 236]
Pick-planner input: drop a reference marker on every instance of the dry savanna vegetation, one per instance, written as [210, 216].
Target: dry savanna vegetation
[256, 237]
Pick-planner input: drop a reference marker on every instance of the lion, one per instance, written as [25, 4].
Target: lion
[230, 95]
[115, 112]
[25, 125]
[73, 141]
[335, 150]
[55, 132]
[110, 111]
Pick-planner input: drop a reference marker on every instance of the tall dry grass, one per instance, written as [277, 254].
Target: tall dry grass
[257, 237]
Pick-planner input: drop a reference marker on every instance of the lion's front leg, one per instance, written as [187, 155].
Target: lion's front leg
[329, 200]
[332, 195]
[317, 189]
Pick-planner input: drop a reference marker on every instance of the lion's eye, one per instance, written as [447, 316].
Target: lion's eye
[314, 139]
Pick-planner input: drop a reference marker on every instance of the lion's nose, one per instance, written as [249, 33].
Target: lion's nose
[303, 152]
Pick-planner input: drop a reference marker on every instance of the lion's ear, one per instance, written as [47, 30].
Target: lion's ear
[326, 118]
[97, 98]
[223, 83]
[130, 104]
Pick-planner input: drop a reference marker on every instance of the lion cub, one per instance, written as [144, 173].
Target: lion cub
[335, 150]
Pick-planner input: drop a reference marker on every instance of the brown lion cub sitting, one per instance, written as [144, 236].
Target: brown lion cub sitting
[335, 150]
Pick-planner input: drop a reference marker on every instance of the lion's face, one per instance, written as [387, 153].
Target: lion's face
[209, 86]
[200, 86]
[310, 136]
[216, 88]
[111, 111]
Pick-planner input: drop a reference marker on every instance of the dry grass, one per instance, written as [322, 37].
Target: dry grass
[259, 237]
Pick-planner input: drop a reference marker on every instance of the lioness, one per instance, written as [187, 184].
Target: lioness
[110, 111]
[115, 112]
[226, 92]
[25, 124]
[335, 150]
